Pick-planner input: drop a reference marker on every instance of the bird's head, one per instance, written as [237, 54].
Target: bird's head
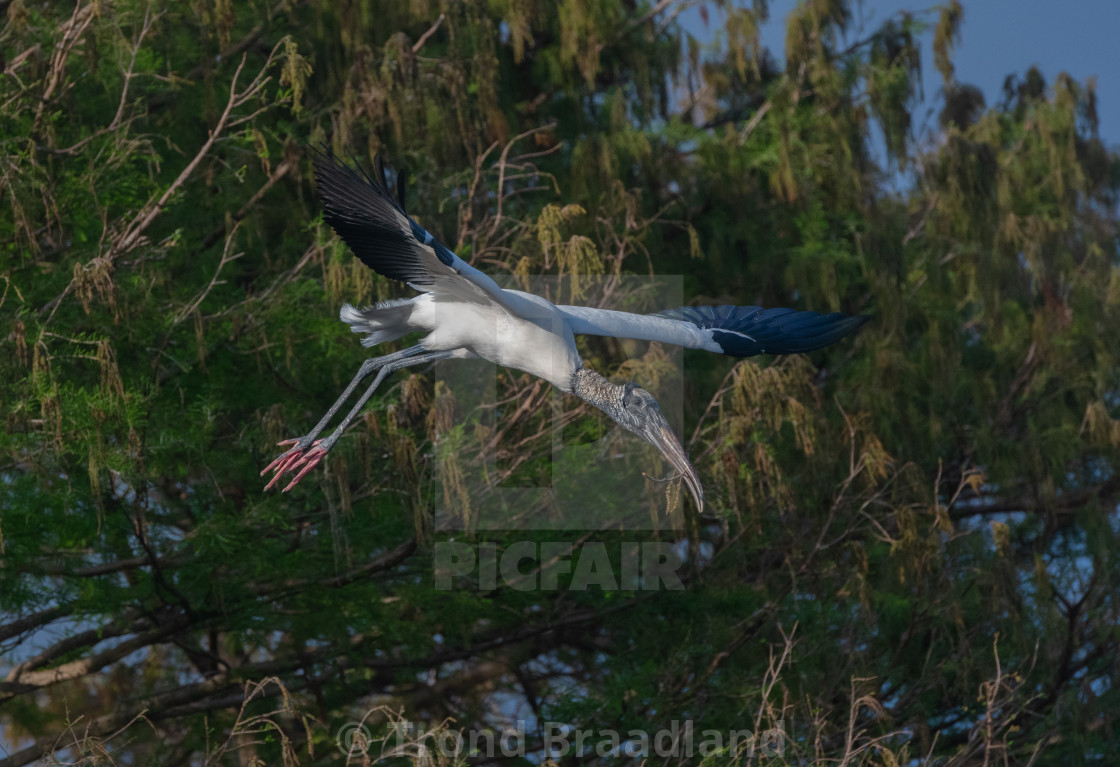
[635, 409]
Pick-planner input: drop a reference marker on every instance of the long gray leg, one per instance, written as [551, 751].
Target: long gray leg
[299, 445]
[382, 374]
[308, 461]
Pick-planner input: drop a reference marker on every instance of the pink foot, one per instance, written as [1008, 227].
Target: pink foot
[309, 462]
[292, 458]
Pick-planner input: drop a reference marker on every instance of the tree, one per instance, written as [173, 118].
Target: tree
[911, 547]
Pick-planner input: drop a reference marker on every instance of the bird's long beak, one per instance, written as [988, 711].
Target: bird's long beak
[658, 433]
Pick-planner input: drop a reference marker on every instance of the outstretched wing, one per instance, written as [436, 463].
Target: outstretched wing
[739, 331]
[361, 209]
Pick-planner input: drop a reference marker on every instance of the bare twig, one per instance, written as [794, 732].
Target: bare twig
[281, 170]
[129, 73]
[21, 57]
[424, 37]
[226, 258]
[756, 118]
[72, 31]
[918, 225]
[130, 236]
[502, 170]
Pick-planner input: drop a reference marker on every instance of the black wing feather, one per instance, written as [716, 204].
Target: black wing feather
[379, 166]
[361, 209]
[743, 331]
[402, 199]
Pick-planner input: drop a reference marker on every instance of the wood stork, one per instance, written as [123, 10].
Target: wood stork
[466, 315]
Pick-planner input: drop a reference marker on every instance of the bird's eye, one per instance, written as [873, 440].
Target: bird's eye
[628, 398]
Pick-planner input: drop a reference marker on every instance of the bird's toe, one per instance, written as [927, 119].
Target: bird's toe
[309, 461]
[294, 458]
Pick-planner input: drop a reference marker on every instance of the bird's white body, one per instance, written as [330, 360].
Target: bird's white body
[537, 339]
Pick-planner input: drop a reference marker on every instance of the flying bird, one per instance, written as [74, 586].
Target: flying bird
[465, 315]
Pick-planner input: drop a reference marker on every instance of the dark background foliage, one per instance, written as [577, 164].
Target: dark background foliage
[911, 546]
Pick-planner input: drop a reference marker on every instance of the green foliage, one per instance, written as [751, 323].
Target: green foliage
[911, 553]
